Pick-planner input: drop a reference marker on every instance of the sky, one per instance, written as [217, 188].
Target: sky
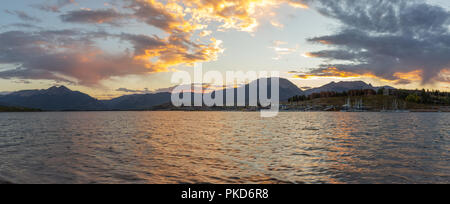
[109, 48]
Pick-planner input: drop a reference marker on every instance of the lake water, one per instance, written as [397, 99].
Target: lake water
[224, 147]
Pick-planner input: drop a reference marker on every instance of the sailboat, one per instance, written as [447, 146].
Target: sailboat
[348, 106]
[359, 107]
[396, 107]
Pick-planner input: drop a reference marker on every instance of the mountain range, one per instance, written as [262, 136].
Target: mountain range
[344, 86]
[61, 98]
[52, 99]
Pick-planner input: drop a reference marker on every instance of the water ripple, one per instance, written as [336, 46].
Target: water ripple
[224, 147]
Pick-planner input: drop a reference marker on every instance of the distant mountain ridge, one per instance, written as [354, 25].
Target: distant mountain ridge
[287, 90]
[52, 99]
[137, 101]
[63, 99]
[344, 86]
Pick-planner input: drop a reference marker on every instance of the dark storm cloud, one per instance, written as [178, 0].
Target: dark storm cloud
[385, 37]
[23, 16]
[149, 13]
[107, 16]
[23, 74]
[142, 43]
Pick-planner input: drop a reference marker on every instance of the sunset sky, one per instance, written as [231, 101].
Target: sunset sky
[109, 48]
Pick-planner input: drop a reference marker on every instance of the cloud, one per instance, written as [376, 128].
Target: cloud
[22, 82]
[279, 47]
[23, 16]
[206, 88]
[399, 78]
[392, 40]
[190, 15]
[205, 33]
[145, 91]
[21, 25]
[329, 72]
[444, 76]
[156, 53]
[236, 14]
[107, 16]
[168, 17]
[54, 5]
[181, 19]
[161, 54]
[64, 56]
[277, 43]
[72, 56]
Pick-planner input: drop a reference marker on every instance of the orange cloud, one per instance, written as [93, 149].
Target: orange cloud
[180, 47]
[161, 58]
[310, 55]
[181, 18]
[444, 76]
[325, 42]
[333, 72]
[410, 76]
[297, 4]
[234, 14]
[190, 15]
[73, 55]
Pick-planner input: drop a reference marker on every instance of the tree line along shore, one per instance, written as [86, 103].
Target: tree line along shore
[371, 100]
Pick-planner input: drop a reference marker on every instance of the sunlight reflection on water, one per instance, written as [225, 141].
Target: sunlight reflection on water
[224, 147]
